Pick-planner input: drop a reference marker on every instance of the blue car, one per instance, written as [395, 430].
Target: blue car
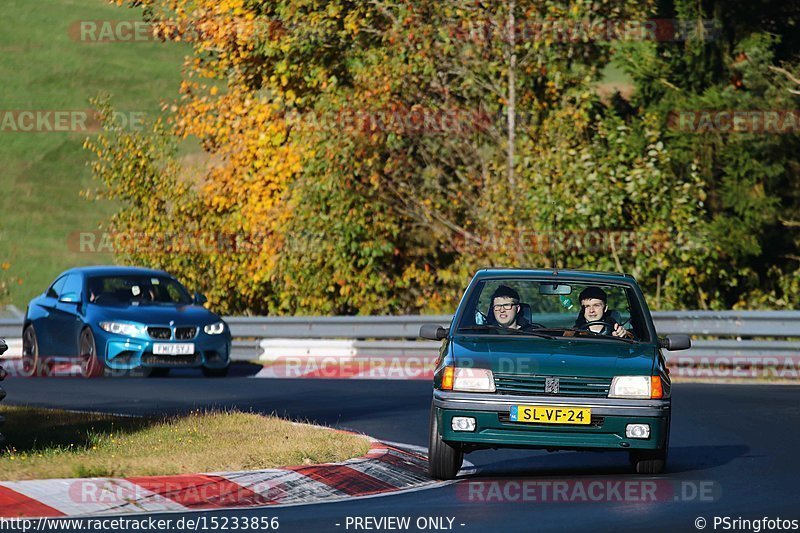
[121, 319]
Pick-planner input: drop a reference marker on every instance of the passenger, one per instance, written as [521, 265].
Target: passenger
[505, 308]
[594, 308]
[95, 288]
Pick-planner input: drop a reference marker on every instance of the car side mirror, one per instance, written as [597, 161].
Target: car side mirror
[433, 332]
[199, 299]
[69, 297]
[3, 346]
[676, 342]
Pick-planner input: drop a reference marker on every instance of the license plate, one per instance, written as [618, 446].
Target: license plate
[541, 414]
[179, 348]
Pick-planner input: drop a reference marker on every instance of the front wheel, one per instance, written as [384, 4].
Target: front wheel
[31, 360]
[652, 461]
[649, 461]
[444, 460]
[91, 365]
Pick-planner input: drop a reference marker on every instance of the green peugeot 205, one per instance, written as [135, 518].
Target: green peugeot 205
[555, 360]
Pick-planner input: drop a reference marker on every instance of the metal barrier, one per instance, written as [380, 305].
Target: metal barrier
[746, 334]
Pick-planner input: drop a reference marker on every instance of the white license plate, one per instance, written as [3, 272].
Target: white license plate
[178, 348]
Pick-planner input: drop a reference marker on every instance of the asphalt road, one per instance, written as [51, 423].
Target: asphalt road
[734, 453]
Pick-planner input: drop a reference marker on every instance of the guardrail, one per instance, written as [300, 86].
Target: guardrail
[753, 335]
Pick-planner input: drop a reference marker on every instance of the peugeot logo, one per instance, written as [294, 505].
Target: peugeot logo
[551, 385]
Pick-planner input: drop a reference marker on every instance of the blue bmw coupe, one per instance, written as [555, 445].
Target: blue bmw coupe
[120, 319]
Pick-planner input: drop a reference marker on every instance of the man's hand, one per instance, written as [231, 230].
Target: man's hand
[619, 331]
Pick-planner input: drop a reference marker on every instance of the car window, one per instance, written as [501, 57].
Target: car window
[541, 306]
[56, 288]
[74, 283]
[136, 290]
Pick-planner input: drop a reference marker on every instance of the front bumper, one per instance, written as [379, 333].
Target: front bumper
[607, 430]
[127, 353]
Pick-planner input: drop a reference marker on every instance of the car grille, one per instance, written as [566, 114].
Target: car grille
[159, 333]
[596, 422]
[185, 333]
[171, 360]
[520, 385]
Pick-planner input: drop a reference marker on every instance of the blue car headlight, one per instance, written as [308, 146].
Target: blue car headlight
[215, 328]
[122, 328]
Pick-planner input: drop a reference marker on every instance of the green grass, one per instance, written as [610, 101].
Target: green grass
[43, 68]
[44, 443]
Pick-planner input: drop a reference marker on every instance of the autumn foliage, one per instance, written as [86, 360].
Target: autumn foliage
[365, 157]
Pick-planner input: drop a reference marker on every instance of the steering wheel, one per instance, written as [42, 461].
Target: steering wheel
[535, 325]
[606, 327]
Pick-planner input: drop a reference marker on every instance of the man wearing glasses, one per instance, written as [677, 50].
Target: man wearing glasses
[505, 308]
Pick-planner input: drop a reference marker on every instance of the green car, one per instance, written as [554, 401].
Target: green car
[555, 360]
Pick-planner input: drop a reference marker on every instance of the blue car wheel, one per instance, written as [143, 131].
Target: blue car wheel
[91, 365]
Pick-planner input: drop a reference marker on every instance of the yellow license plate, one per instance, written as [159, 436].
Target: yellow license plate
[541, 414]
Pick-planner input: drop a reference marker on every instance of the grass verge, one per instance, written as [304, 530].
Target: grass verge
[44, 443]
[44, 67]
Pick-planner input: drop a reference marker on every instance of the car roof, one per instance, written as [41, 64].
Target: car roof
[594, 276]
[116, 270]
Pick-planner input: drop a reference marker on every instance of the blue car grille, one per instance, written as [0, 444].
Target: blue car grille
[160, 333]
[520, 384]
[185, 332]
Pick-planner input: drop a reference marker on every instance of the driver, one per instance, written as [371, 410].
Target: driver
[505, 308]
[594, 308]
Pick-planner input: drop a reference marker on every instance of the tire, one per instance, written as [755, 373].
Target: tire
[444, 460]
[31, 360]
[91, 365]
[651, 461]
[215, 372]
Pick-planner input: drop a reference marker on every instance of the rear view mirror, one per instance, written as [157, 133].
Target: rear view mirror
[676, 342]
[69, 297]
[433, 332]
[555, 288]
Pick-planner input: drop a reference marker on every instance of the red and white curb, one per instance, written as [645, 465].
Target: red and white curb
[384, 469]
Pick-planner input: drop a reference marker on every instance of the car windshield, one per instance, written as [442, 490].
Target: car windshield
[553, 309]
[136, 290]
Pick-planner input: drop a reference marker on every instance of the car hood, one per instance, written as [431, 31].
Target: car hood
[558, 357]
[155, 314]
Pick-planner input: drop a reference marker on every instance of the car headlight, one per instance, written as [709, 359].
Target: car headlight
[644, 387]
[468, 380]
[214, 329]
[121, 328]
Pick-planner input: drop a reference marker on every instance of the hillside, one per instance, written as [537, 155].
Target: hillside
[47, 65]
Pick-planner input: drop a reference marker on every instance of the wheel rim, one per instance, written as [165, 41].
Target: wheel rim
[29, 351]
[88, 358]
